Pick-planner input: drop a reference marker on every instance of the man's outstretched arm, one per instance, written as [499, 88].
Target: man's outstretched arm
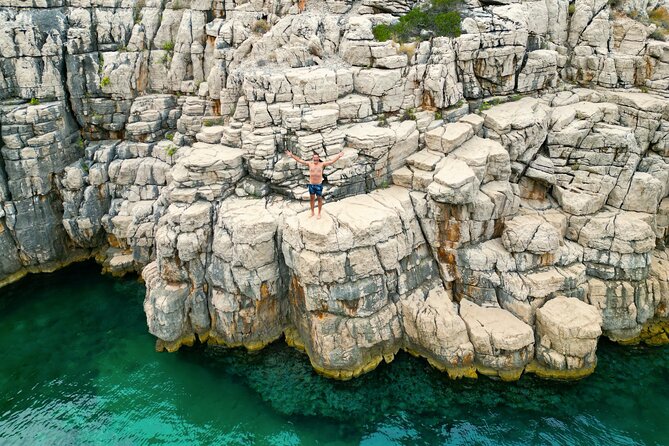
[296, 158]
[333, 160]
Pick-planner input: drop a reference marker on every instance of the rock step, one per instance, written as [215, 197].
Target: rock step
[448, 137]
[567, 333]
[210, 135]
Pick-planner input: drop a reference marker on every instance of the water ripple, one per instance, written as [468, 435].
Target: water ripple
[79, 368]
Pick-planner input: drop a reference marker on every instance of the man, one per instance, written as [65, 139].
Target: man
[316, 167]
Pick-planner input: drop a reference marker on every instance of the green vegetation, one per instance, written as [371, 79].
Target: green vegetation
[643, 89]
[80, 143]
[137, 11]
[437, 18]
[383, 120]
[383, 32]
[34, 101]
[261, 26]
[84, 166]
[660, 16]
[168, 46]
[487, 105]
[169, 136]
[438, 115]
[212, 121]
[171, 150]
[515, 97]
[409, 115]
[166, 58]
[572, 9]
[658, 34]
[105, 81]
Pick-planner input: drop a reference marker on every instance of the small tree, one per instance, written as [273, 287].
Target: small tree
[437, 18]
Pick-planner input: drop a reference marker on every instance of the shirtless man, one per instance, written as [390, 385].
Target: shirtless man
[316, 167]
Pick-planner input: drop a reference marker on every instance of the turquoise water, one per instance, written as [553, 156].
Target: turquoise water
[78, 367]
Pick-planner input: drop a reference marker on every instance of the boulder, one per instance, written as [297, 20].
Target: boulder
[503, 344]
[446, 138]
[454, 183]
[433, 329]
[530, 233]
[567, 333]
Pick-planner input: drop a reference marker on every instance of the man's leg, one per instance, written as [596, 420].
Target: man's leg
[320, 205]
[311, 201]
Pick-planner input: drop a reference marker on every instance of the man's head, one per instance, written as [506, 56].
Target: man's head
[315, 158]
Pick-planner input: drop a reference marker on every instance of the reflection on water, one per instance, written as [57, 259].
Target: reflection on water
[78, 367]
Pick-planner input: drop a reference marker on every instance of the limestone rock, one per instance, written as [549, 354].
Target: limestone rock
[434, 329]
[449, 137]
[567, 334]
[206, 171]
[530, 233]
[247, 299]
[503, 345]
[454, 183]
[345, 268]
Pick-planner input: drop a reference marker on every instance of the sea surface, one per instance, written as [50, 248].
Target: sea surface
[77, 366]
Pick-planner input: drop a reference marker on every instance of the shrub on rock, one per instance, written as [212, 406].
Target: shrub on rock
[438, 18]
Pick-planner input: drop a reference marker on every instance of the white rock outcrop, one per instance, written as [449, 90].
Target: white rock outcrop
[567, 333]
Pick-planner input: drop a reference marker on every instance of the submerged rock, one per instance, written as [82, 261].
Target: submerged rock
[484, 230]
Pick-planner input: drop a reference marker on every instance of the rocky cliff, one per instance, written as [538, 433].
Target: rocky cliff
[501, 202]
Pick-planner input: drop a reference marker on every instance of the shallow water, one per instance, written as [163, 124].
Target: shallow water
[78, 367]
